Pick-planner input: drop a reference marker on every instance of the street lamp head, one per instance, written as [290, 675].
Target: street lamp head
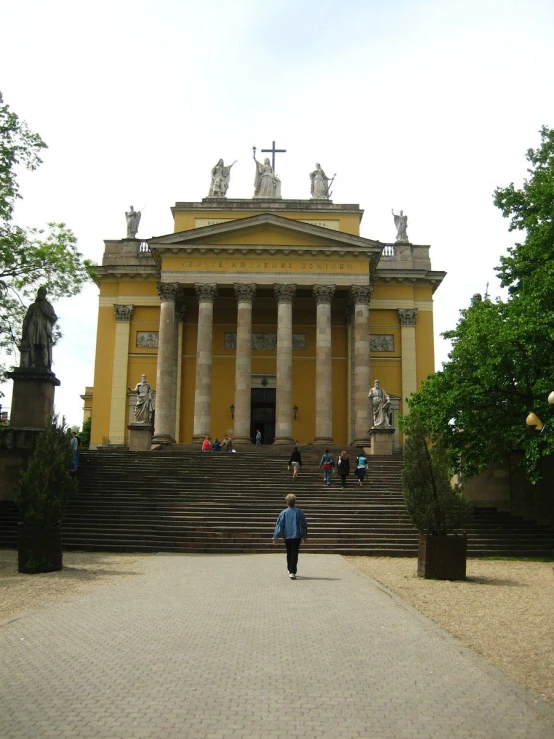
[551, 398]
[533, 420]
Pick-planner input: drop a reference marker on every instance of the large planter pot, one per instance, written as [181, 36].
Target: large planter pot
[442, 557]
[39, 550]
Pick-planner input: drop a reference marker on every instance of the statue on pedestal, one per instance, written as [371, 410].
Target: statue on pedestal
[321, 184]
[144, 407]
[220, 180]
[401, 223]
[381, 404]
[133, 220]
[266, 182]
[36, 341]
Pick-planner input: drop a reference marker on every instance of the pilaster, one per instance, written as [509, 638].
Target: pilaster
[118, 405]
[407, 318]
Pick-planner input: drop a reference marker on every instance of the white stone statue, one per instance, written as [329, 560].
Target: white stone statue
[144, 407]
[401, 223]
[321, 184]
[220, 180]
[266, 183]
[381, 403]
[36, 340]
[133, 220]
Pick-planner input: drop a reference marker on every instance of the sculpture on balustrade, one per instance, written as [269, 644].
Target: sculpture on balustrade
[381, 404]
[401, 223]
[144, 406]
[36, 340]
[221, 176]
[133, 220]
[266, 182]
[320, 184]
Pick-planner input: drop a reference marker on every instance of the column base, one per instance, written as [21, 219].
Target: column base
[282, 441]
[242, 440]
[324, 440]
[360, 442]
[381, 441]
[165, 439]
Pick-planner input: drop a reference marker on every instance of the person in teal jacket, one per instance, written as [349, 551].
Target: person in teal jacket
[293, 528]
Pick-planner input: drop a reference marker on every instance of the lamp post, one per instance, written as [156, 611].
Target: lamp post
[232, 409]
[295, 411]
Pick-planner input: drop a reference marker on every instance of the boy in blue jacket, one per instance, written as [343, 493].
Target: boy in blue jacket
[293, 528]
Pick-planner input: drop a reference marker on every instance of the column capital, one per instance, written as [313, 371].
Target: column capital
[361, 294]
[285, 293]
[206, 293]
[244, 293]
[123, 312]
[167, 291]
[408, 317]
[323, 293]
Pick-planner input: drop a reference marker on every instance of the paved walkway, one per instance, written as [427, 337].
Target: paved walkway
[228, 646]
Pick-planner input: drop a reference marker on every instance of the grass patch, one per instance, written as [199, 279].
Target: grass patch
[516, 559]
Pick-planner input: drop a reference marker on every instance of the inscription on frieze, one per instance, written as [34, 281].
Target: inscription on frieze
[267, 342]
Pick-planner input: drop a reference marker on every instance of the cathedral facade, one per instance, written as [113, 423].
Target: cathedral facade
[260, 313]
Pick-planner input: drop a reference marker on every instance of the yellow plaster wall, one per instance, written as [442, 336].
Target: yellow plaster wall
[103, 372]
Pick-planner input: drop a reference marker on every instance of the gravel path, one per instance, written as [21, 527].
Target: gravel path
[504, 610]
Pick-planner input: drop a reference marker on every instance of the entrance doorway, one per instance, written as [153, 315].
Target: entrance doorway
[263, 414]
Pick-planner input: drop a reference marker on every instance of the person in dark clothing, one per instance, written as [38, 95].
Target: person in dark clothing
[343, 468]
[295, 462]
[293, 528]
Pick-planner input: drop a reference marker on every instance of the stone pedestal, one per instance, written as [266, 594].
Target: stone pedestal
[381, 441]
[33, 396]
[140, 437]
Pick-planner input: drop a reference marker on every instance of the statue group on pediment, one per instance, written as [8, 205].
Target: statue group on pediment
[267, 184]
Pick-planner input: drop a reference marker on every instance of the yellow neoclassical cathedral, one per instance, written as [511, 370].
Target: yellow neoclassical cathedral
[261, 313]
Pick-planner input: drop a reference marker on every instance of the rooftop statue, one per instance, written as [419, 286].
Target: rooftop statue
[401, 223]
[381, 404]
[36, 341]
[266, 183]
[133, 220]
[220, 180]
[321, 184]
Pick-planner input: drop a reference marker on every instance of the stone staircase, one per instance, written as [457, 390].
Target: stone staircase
[181, 500]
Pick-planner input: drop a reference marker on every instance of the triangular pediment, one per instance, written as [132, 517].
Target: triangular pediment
[265, 230]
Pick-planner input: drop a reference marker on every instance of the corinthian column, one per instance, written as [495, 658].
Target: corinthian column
[283, 421]
[408, 338]
[361, 295]
[163, 418]
[176, 378]
[243, 368]
[203, 388]
[323, 367]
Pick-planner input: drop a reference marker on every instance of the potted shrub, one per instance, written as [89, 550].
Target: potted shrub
[42, 494]
[435, 505]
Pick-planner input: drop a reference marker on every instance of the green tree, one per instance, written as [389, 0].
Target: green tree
[435, 505]
[29, 257]
[501, 365]
[46, 484]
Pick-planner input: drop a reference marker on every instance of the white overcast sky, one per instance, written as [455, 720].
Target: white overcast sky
[420, 105]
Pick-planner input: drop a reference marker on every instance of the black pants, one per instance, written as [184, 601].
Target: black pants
[343, 480]
[292, 545]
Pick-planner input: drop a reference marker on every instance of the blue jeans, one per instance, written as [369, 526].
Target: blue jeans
[327, 474]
